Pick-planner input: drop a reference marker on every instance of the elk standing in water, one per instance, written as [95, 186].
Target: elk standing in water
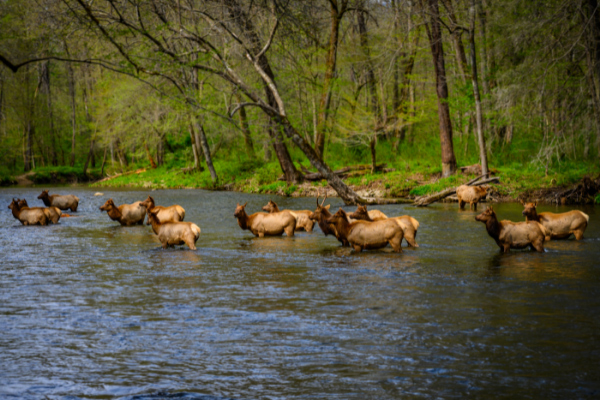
[408, 224]
[368, 235]
[321, 215]
[471, 195]
[303, 221]
[558, 226]
[513, 235]
[173, 213]
[65, 202]
[52, 213]
[28, 216]
[262, 224]
[125, 214]
[171, 234]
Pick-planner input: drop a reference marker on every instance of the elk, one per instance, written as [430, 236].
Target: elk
[558, 226]
[125, 214]
[262, 224]
[368, 235]
[408, 224]
[471, 195]
[173, 213]
[362, 214]
[28, 216]
[321, 215]
[65, 202]
[303, 221]
[513, 235]
[52, 213]
[175, 233]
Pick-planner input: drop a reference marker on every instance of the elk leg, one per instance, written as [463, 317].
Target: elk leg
[505, 248]
[289, 231]
[578, 234]
[357, 248]
[165, 245]
[409, 235]
[538, 245]
[396, 242]
[309, 226]
[475, 206]
[461, 204]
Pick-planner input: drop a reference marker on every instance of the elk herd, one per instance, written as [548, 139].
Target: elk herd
[362, 230]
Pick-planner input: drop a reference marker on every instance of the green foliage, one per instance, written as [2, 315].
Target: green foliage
[63, 174]
[6, 177]
[441, 184]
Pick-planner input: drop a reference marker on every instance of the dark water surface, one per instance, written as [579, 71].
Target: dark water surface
[89, 309]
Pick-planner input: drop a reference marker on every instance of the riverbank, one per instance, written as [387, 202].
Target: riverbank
[571, 184]
[403, 183]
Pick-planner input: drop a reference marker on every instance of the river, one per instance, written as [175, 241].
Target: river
[90, 309]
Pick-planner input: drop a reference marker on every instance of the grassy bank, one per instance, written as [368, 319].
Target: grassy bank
[416, 172]
[411, 178]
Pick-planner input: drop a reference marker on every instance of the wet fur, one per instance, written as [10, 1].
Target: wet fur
[303, 221]
[173, 234]
[513, 235]
[125, 214]
[174, 213]
[262, 224]
[65, 202]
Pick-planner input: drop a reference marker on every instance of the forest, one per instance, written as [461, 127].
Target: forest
[260, 94]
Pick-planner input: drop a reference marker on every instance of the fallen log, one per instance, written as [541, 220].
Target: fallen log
[108, 178]
[426, 200]
[317, 176]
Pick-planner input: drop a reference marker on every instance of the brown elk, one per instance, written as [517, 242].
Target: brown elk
[303, 221]
[408, 224]
[362, 213]
[513, 235]
[173, 213]
[320, 215]
[471, 195]
[177, 233]
[368, 235]
[125, 214]
[65, 202]
[262, 224]
[52, 213]
[558, 226]
[28, 216]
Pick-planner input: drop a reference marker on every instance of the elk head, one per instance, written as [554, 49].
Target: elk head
[487, 215]
[109, 205]
[44, 195]
[270, 207]
[319, 213]
[148, 203]
[240, 210]
[360, 213]
[529, 209]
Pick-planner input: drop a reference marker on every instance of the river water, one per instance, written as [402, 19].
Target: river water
[89, 309]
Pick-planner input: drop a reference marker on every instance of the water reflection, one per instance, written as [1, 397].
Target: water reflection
[90, 309]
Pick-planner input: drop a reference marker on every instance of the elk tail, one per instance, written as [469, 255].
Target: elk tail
[587, 217]
[415, 223]
[196, 230]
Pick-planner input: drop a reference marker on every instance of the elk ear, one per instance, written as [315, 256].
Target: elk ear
[328, 206]
[245, 204]
[535, 204]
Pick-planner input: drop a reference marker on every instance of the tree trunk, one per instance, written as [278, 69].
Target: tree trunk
[348, 195]
[459, 49]
[152, 163]
[371, 84]
[195, 145]
[245, 24]
[206, 149]
[73, 109]
[103, 161]
[246, 130]
[594, 64]
[47, 87]
[330, 66]
[478, 112]
[437, 51]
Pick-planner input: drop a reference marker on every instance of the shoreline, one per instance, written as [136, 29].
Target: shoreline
[385, 188]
